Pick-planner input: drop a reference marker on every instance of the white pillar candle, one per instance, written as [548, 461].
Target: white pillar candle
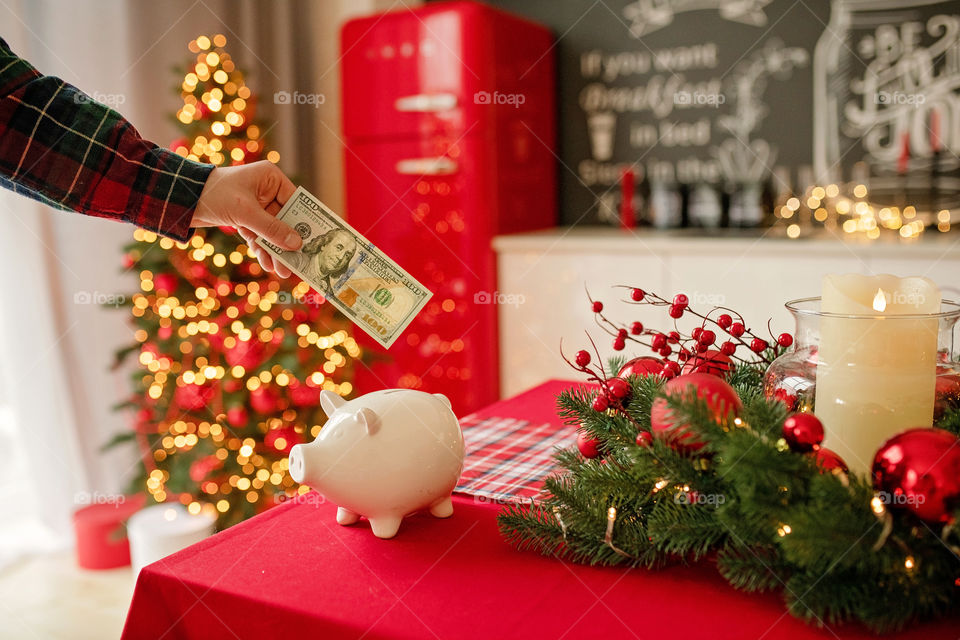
[159, 530]
[876, 375]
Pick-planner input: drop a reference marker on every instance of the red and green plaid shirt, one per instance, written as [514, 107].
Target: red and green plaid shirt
[59, 146]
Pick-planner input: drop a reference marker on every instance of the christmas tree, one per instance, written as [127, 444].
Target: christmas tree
[231, 359]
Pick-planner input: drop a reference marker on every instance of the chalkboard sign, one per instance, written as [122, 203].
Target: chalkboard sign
[735, 91]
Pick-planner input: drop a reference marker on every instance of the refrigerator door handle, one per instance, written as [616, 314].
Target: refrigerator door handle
[426, 166]
[426, 102]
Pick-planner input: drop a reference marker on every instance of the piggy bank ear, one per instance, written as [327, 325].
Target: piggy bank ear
[368, 419]
[444, 399]
[330, 402]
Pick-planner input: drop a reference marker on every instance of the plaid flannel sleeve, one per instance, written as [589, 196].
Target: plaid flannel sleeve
[59, 146]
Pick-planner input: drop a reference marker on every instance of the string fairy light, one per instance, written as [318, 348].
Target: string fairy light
[855, 215]
[608, 535]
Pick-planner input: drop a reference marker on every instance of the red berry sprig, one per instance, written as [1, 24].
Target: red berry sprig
[739, 343]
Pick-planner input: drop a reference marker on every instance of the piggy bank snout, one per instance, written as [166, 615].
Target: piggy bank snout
[296, 463]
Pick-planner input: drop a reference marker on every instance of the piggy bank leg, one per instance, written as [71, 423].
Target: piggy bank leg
[385, 526]
[345, 516]
[442, 508]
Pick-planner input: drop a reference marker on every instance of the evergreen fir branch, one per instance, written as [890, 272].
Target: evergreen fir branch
[118, 439]
[752, 569]
[762, 415]
[698, 418]
[950, 421]
[614, 363]
[835, 527]
[643, 391]
[531, 528]
[683, 528]
[746, 377]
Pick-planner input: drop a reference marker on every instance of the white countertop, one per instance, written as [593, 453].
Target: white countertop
[933, 244]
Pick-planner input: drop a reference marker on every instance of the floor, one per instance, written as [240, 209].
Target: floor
[48, 597]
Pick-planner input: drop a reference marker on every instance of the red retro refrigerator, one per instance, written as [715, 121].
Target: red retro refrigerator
[449, 123]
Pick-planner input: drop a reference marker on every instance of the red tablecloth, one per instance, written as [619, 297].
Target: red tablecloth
[293, 572]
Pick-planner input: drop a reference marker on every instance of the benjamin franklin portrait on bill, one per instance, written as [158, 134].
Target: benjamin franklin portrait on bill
[325, 258]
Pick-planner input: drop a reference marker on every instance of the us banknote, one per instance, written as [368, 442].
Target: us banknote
[343, 266]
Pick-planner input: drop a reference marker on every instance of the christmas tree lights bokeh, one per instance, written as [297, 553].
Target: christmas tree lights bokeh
[230, 359]
[218, 109]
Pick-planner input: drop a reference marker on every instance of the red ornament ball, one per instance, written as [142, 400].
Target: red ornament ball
[947, 391]
[264, 399]
[643, 366]
[711, 361]
[803, 432]
[582, 358]
[245, 353]
[785, 340]
[788, 399]
[636, 328]
[720, 397]
[670, 370]
[644, 439]
[637, 295]
[829, 462]
[588, 446]
[165, 283]
[597, 306]
[600, 403]
[618, 388]
[303, 394]
[193, 397]
[200, 469]
[238, 416]
[724, 320]
[736, 329]
[920, 468]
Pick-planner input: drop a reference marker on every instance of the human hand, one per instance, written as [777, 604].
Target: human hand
[248, 197]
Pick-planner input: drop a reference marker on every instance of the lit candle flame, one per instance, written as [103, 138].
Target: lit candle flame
[880, 301]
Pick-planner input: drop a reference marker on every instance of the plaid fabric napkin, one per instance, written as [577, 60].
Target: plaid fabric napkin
[508, 459]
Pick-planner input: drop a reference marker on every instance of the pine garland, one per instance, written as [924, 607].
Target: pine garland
[774, 521]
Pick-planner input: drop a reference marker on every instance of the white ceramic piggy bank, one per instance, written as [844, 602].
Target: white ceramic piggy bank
[383, 455]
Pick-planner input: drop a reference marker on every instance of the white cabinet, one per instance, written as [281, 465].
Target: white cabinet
[542, 277]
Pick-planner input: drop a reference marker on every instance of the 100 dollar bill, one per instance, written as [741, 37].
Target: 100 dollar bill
[343, 266]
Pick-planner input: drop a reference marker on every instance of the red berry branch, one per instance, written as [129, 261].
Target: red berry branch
[678, 352]
[615, 389]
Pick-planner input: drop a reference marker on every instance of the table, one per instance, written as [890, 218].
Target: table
[293, 572]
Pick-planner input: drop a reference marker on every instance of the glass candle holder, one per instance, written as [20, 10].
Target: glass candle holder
[868, 377]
